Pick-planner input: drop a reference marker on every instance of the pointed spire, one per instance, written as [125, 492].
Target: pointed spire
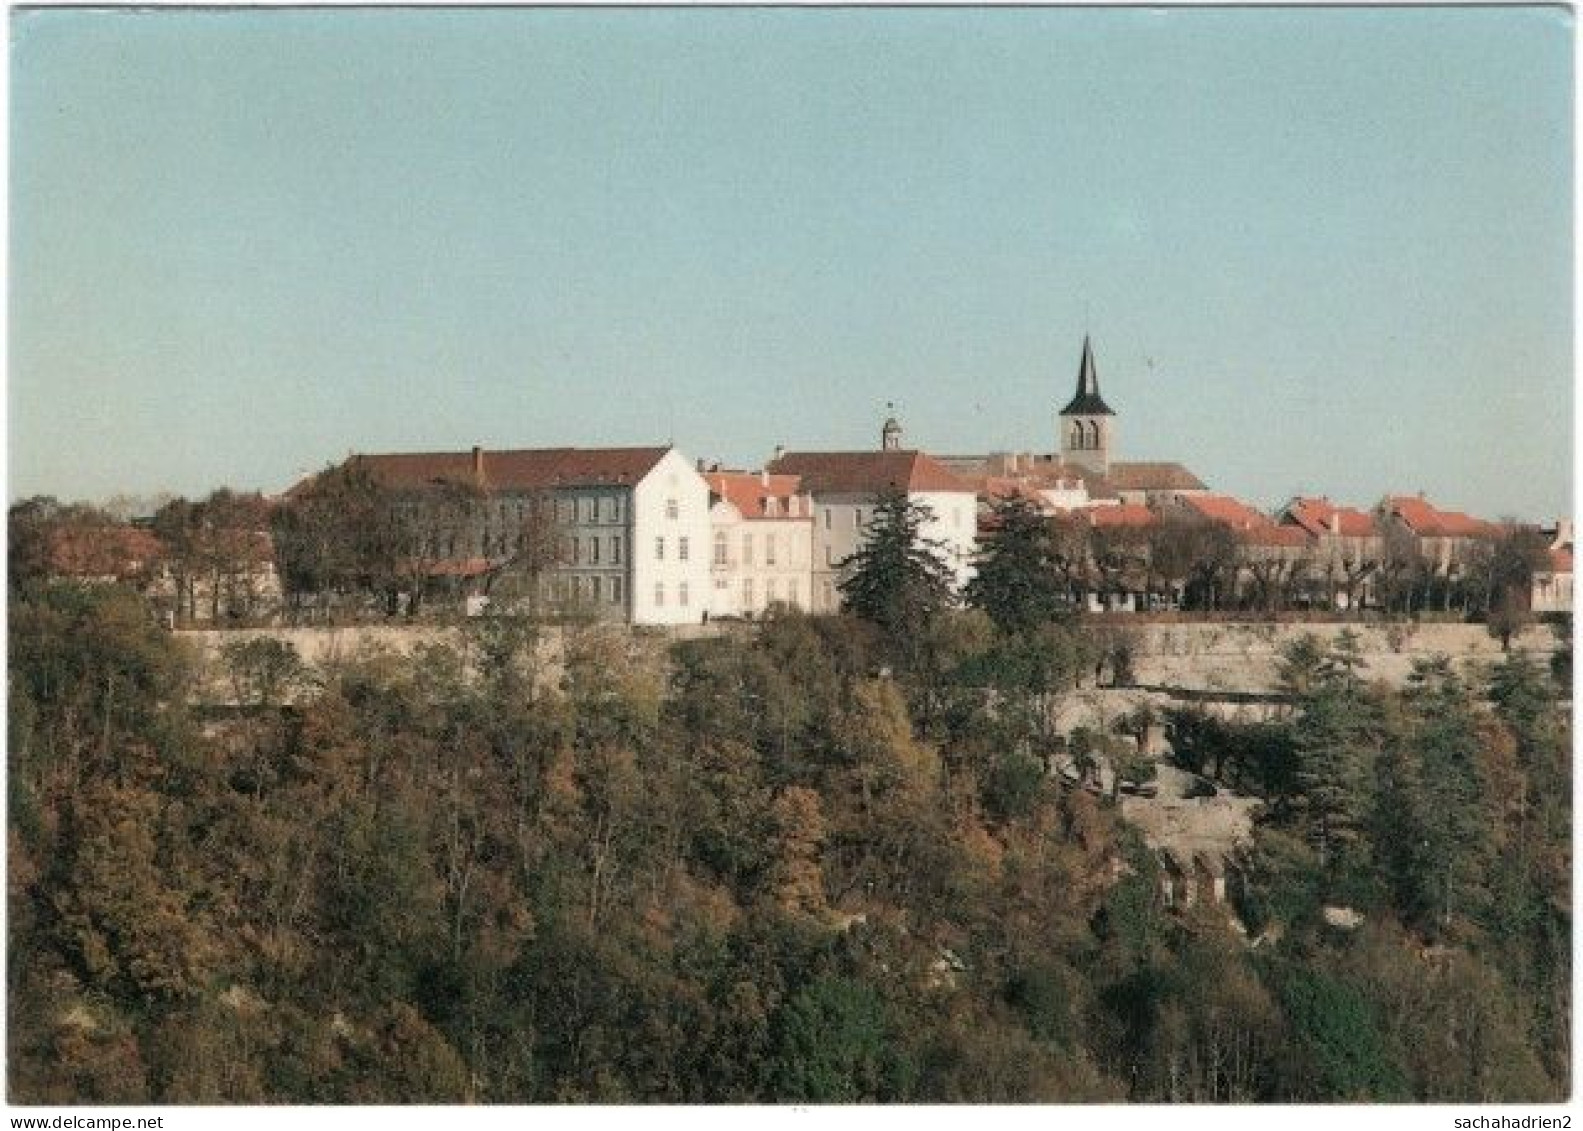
[1087, 400]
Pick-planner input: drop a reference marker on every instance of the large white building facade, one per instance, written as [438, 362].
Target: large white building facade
[761, 548]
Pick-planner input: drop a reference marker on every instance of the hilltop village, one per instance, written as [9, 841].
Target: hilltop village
[648, 536]
[1195, 803]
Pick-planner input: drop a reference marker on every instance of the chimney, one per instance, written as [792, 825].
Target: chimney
[478, 465]
[1335, 523]
[780, 452]
[764, 477]
[699, 466]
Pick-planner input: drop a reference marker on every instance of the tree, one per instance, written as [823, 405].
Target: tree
[341, 534]
[834, 1045]
[1508, 617]
[897, 579]
[1016, 583]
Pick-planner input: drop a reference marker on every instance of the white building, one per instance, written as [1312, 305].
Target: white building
[1552, 585]
[761, 543]
[845, 487]
[632, 523]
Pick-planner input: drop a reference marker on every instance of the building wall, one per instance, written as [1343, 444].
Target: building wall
[670, 545]
[1552, 592]
[754, 563]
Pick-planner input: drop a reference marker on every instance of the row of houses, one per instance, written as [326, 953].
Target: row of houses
[652, 538]
[648, 536]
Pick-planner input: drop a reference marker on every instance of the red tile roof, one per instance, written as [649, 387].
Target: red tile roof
[1428, 521]
[1560, 561]
[750, 492]
[1122, 514]
[1272, 535]
[1317, 516]
[530, 469]
[1224, 509]
[868, 472]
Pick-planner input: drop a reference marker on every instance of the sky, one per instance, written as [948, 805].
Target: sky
[1318, 251]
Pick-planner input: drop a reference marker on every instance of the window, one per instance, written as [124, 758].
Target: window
[593, 588]
[827, 561]
[857, 518]
[720, 583]
[1077, 436]
[769, 591]
[615, 549]
[615, 591]
[577, 588]
[681, 594]
[593, 550]
[747, 549]
[720, 547]
[671, 509]
[747, 593]
[659, 549]
[827, 518]
[769, 549]
[575, 556]
[681, 548]
[589, 511]
[615, 510]
[659, 594]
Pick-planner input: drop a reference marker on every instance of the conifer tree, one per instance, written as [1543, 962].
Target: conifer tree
[1016, 583]
[898, 579]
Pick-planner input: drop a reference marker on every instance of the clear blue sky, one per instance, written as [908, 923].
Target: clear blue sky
[1317, 250]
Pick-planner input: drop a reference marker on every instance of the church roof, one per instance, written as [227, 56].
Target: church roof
[1087, 401]
[868, 472]
[1145, 476]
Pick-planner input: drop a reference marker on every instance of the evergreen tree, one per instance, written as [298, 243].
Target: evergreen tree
[898, 579]
[1016, 583]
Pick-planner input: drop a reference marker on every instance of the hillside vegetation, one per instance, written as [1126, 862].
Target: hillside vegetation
[820, 862]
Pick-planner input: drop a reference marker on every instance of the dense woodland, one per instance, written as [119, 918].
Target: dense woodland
[818, 861]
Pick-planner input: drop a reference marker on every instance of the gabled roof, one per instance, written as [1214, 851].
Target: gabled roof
[1087, 401]
[1426, 520]
[750, 492]
[1146, 476]
[1227, 511]
[1322, 518]
[868, 472]
[528, 469]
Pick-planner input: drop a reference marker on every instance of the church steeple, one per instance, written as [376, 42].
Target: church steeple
[1087, 422]
[1087, 399]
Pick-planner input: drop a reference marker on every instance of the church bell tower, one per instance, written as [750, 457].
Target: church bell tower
[1086, 423]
